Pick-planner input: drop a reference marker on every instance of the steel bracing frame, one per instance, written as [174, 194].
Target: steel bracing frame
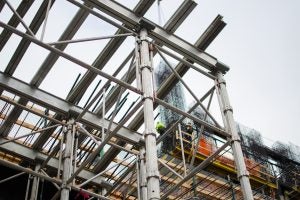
[68, 145]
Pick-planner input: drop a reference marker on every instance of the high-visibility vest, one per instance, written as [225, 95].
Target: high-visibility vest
[159, 126]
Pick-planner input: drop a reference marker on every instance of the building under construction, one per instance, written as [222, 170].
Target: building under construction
[78, 113]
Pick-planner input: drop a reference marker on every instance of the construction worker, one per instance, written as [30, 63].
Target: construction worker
[189, 128]
[160, 128]
[81, 195]
[188, 136]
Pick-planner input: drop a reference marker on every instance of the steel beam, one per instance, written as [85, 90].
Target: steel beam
[70, 31]
[175, 43]
[24, 44]
[11, 177]
[2, 3]
[15, 60]
[197, 169]
[218, 131]
[61, 106]
[102, 59]
[30, 155]
[211, 32]
[180, 15]
[172, 24]
[181, 69]
[47, 178]
[214, 28]
[19, 18]
[109, 135]
[68, 34]
[14, 21]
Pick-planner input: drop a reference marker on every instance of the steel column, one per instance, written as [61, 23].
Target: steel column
[138, 178]
[243, 174]
[67, 160]
[27, 186]
[142, 174]
[35, 184]
[46, 177]
[197, 169]
[153, 190]
[182, 149]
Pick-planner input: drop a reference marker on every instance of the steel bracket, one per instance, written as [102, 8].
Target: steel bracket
[147, 97]
[235, 139]
[151, 133]
[242, 174]
[227, 108]
[152, 174]
[65, 186]
[146, 66]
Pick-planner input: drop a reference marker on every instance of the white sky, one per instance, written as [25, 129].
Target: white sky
[260, 45]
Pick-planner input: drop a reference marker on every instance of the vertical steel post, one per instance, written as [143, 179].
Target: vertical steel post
[229, 123]
[35, 184]
[67, 160]
[231, 187]
[142, 174]
[75, 153]
[138, 178]
[182, 149]
[153, 190]
[103, 117]
[60, 155]
[27, 187]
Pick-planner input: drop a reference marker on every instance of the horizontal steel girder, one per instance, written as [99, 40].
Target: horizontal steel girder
[61, 106]
[130, 19]
[31, 155]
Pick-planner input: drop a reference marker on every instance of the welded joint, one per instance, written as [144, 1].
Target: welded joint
[146, 24]
[143, 185]
[244, 173]
[147, 97]
[139, 41]
[144, 40]
[150, 133]
[221, 81]
[153, 175]
[71, 124]
[150, 44]
[76, 134]
[70, 127]
[227, 108]
[66, 156]
[65, 186]
[142, 157]
[147, 67]
[235, 139]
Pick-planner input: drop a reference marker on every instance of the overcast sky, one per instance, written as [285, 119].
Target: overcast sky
[260, 44]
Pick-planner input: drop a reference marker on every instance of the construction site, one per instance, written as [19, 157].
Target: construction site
[116, 124]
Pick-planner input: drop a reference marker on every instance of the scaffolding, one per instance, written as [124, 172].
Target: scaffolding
[99, 140]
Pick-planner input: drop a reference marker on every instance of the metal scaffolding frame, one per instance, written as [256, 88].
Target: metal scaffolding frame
[70, 140]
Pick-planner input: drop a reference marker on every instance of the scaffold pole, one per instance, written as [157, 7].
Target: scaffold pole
[230, 125]
[152, 173]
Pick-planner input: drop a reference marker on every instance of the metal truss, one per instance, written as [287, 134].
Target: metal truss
[66, 145]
